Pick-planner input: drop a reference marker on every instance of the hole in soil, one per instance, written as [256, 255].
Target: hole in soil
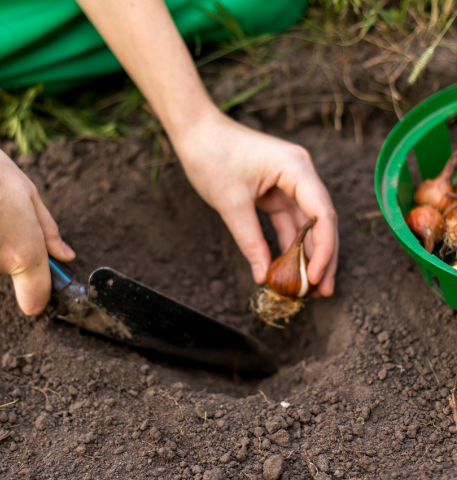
[321, 330]
[168, 239]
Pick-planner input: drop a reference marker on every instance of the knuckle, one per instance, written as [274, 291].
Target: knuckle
[33, 190]
[231, 204]
[52, 231]
[248, 245]
[20, 259]
[235, 203]
[327, 213]
[331, 215]
[298, 152]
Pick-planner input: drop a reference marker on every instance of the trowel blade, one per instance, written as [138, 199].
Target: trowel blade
[141, 316]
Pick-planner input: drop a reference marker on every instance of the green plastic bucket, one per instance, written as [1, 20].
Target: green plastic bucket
[423, 131]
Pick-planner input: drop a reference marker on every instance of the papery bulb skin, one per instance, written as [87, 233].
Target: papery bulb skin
[450, 212]
[285, 276]
[427, 224]
[288, 275]
[450, 217]
[433, 191]
[450, 238]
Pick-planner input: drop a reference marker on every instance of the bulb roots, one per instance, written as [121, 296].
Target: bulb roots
[271, 306]
[450, 238]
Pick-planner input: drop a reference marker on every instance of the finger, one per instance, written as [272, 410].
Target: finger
[242, 221]
[299, 217]
[315, 201]
[282, 210]
[287, 223]
[323, 235]
[54, 243]
[275, 200]
[327, 284]
[285, 227]
[32, 283]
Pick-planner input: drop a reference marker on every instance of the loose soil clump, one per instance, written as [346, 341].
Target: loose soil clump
[365, 389]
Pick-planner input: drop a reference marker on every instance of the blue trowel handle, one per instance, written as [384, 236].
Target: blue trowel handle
[64, 286]
[61, 275]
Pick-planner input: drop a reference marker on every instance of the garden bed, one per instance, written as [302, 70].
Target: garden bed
[365, 376]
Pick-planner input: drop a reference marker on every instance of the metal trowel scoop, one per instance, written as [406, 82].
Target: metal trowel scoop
[123, 309]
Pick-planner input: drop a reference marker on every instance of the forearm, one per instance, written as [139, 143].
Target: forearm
[143, 36]
[230, 165]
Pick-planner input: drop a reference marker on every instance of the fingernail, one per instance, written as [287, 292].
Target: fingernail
[258, 272]
[67, 250]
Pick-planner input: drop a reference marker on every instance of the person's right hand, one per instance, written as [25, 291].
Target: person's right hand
[28, 234]
[235, 169]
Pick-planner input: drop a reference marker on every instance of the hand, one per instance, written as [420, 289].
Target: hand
[28, 234]
[232, 167]
[235, 168]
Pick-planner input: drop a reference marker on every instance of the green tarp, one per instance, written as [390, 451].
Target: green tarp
[51, 41]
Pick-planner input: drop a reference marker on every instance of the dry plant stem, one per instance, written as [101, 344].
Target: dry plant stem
[264, 396]
[339, 103]
[450, 208]
[271, 306]
[8, 404]
[394, 94]
[43, 392]
[358, 128]
[178, 405]
[395, 98]
[433, 18]
[453, 403]
[421, 25]
[447, 9]
[350, 86]
[383, 57]
[313, 470]
[427, 55]
[290, 111]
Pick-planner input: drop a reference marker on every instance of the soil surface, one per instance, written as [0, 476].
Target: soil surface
[365, 377]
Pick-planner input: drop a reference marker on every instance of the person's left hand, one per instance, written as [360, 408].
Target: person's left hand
[235, 168]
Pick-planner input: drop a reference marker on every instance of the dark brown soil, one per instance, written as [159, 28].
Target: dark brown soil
[365, 376]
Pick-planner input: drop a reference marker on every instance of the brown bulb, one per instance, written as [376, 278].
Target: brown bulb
[433, 192]
[427, 224]
[451, 212]
[288, 275]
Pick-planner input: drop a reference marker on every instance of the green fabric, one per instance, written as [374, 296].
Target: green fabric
[51, 41]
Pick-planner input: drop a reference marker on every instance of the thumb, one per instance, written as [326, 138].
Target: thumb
[242, 221]
[32, 283]
[32, 277]
[54, 244]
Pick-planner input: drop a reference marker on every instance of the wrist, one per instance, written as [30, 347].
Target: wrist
[185, 130]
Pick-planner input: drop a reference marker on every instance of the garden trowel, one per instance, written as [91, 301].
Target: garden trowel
[123, 309]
